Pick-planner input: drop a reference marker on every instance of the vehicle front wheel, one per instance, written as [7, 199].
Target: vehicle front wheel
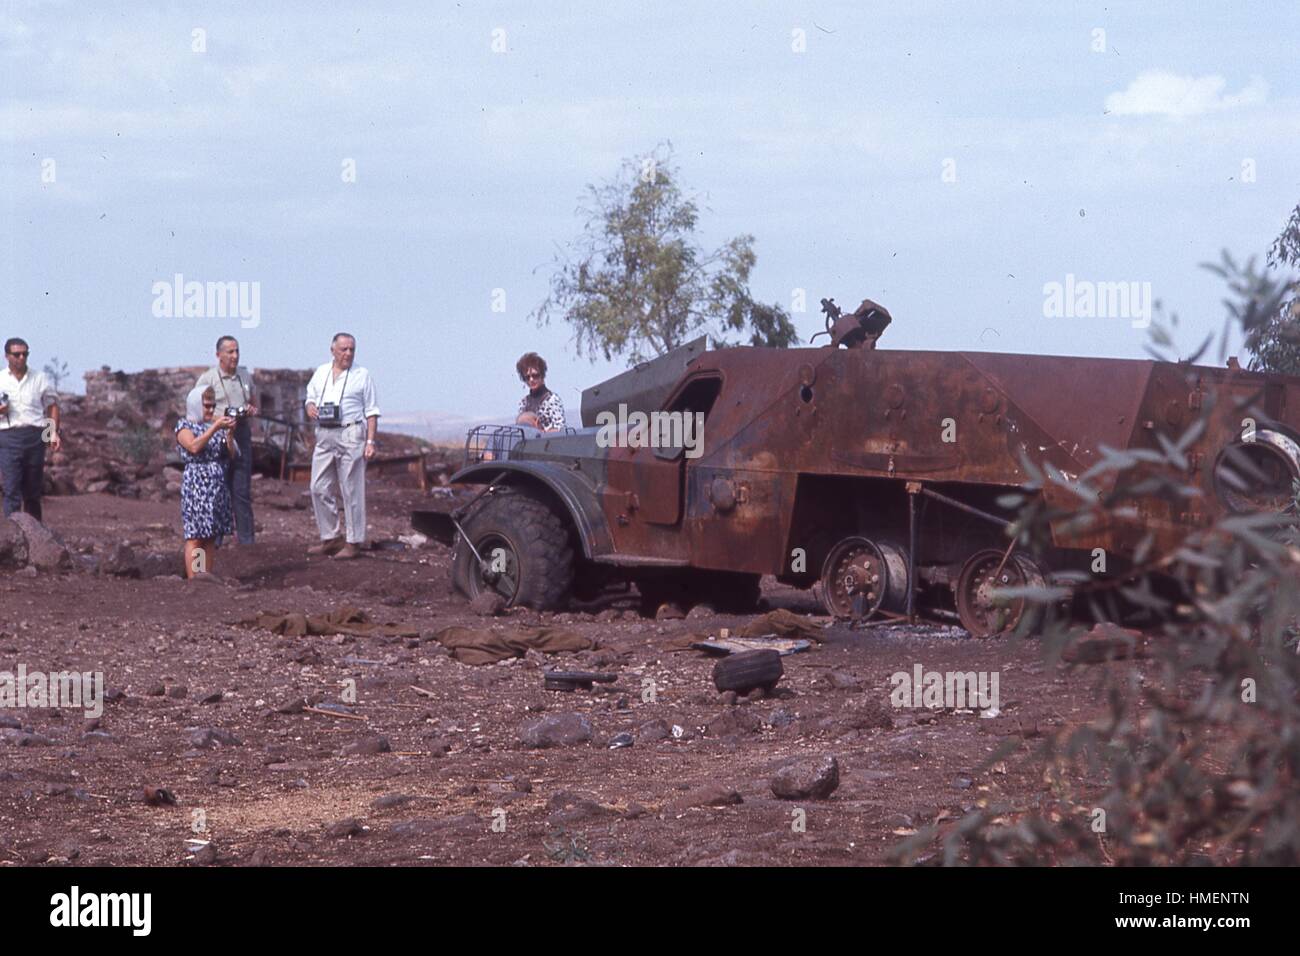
[524, 553]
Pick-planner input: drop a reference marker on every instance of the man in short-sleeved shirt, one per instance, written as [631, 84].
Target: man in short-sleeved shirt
[29, 419]
[345, 441]
[233, 386]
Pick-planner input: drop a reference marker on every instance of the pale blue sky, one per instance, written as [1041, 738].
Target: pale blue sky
[226, 165]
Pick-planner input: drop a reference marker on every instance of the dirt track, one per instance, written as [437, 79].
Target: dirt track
[273, 796]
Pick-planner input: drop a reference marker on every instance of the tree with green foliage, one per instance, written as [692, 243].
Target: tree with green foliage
[637, 282]
[1274, 342]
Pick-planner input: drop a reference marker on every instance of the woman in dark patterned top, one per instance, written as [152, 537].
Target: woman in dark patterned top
[206, 441]
[540, 408]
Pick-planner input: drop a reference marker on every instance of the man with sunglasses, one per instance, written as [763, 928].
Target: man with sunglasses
[232, 385]
[29, 419]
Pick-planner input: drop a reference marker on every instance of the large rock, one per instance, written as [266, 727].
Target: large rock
[557, 730]
[13, 544]
[807, 778]
[45, 551]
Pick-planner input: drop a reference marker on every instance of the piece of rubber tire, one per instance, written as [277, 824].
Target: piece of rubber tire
[749, 669]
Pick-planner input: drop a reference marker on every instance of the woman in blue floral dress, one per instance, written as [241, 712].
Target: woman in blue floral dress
[206, 442]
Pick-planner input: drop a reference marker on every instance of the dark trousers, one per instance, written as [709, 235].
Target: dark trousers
[22, 469]
[239, 479]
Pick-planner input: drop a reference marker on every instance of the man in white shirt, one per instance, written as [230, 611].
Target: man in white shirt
[232, 385]
[341, 401]
[29, 419]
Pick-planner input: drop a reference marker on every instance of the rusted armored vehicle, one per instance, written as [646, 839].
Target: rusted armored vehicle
[873, 474]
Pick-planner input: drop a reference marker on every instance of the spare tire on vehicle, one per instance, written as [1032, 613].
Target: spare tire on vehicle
[749, 669]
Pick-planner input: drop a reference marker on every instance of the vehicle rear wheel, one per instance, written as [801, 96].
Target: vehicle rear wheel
[860, 576]
[526, 553]
[982, 611]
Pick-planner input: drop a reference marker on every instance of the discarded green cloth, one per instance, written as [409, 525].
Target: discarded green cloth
[481, 645]
[783, 623]
[341, 620]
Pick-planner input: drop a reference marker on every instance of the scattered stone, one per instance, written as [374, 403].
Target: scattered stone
[669, 612]
[391, 801]
[206, 855]
[807, 778]
[1106, 642]
[488, 604]
[464, 823]
[709, 795]
[348, 827]
[158, 797]
[567, 807]
[556, 730]
[620, 740]
[842, 680]
[733, 722]
[729, 698]
[121, 561]
[213, 698]
[23, 738]
[293, 705]
[780, 718]
[178, 692]
[368, 746]
[203, 738]
[157, 690]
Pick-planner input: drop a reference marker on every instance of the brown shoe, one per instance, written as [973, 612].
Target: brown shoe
[327, 547]
[347, 553]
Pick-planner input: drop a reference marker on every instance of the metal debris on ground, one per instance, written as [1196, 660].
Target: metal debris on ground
[572, 680]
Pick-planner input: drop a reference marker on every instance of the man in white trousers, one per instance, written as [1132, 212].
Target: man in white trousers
[341, 401]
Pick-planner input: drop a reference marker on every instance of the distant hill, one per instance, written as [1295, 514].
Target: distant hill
[434, 426]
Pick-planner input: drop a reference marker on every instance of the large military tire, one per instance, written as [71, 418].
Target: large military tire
[527, 549]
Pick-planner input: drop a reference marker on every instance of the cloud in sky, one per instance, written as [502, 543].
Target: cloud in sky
[1162, 93]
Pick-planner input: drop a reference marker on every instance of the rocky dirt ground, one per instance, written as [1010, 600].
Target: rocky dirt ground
[212, 713]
